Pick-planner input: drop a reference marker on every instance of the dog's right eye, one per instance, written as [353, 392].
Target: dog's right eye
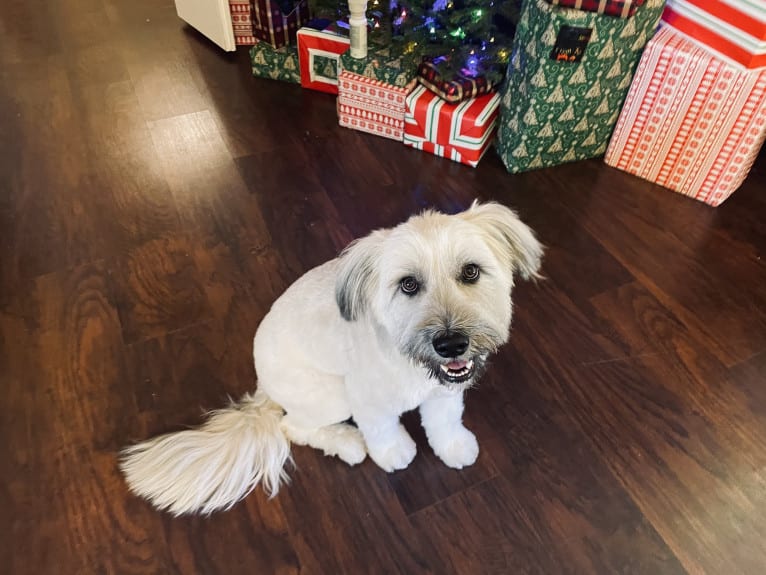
[409, 285]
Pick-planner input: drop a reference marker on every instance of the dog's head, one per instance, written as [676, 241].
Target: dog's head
[439, 286]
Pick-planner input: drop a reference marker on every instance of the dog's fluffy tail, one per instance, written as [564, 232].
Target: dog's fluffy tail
[213, 467]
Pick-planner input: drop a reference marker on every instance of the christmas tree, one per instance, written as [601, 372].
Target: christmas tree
[465, 37]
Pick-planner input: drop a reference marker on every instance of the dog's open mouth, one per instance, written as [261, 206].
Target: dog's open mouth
[457, 371]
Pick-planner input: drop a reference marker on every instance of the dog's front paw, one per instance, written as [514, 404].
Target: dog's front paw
[458, 449]
[393, 452]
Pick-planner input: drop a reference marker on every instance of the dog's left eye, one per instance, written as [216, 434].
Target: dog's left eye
[409, 285]
[470, 273]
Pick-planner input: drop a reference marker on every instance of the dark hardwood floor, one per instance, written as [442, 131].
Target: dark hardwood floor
[155, 199]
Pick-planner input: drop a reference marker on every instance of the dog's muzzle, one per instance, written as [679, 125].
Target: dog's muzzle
[451, 345]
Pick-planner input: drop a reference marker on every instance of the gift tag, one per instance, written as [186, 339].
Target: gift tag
[571, 43]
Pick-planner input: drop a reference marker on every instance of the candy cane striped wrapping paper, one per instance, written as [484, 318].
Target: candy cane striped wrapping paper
[692, 122]
[461, 132]
[734, 28]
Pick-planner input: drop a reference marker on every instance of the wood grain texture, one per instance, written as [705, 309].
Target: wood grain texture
[155, 199]
[158, 289]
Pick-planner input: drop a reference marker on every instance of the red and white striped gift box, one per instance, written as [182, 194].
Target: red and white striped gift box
[735, 28]
[371, 105]
[242, 22]
[692, 122]
[461, 132]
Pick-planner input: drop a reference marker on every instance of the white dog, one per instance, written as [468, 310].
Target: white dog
[404, 318]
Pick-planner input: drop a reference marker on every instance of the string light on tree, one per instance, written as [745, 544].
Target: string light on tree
[462, 31]
[472, 65]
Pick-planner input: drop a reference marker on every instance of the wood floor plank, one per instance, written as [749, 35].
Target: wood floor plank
[701, 496]
[711, 285]
[253, 538]
[208, 190]
[554, 509]
[302, 220]
[158, 289]
[668, 427]
[494, 528]
[72, 332]
[748, 377]
[237, 100]
[33, 36]
[52, 226]
[125, 180]
[363, 507]
[165, 86]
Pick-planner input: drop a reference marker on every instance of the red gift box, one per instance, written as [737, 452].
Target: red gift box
[315, 46]
[692, 122]
[619, 8]
[734, 28]
[461, 132]
[272, 26]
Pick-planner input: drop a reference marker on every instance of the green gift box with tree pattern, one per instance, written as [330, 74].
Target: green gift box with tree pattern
[275, 63]
[568, 75]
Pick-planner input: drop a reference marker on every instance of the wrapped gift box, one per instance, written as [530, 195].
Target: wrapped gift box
[455, 89]
[242, 22]
[461, 132]
[692, 122]
[735, 28]
[272, 26]
[371, 92]
[275, 63]
[318, 52]
[568, 76]
[618, 8]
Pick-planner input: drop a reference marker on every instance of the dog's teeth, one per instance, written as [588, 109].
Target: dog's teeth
[456, 374]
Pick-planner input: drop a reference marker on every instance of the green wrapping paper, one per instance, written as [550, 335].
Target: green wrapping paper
[563, 93]
[326, 67]
[382, 66]
[275, 63]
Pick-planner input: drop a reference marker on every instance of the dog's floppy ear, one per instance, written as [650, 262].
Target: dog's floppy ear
[509, 236]
[357, 275]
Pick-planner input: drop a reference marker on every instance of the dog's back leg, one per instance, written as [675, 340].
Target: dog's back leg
[316, 405]
[338, 439]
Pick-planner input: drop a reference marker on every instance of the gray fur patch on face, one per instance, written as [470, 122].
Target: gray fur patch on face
[357, 274]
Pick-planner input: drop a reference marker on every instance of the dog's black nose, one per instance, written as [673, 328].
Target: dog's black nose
[450, 344]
